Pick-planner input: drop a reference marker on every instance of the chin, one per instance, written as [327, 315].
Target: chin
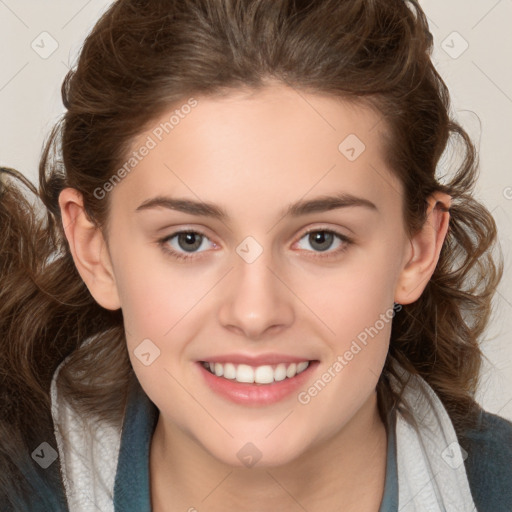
[255, 454]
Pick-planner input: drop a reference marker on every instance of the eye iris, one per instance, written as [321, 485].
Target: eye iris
[192, 241]
[321, 237]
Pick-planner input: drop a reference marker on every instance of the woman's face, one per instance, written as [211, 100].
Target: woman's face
[255, 288]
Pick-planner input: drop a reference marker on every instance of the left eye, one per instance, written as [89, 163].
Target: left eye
[189, 241]
[324, 238]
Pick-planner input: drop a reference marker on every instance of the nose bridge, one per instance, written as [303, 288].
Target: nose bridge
[256, 298]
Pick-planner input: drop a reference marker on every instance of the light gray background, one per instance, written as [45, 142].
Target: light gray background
[479, 78]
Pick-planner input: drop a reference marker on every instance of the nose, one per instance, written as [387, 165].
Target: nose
[257, 299]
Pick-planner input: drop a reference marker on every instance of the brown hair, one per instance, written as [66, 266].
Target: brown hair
[141, 58]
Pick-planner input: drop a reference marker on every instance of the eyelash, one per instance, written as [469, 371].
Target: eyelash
[163, 243]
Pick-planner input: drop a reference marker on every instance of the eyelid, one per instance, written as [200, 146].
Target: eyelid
[327, 229]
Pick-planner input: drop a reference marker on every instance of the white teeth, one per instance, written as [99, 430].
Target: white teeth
[302, 366]
[219, 370]
[230, 371]
[280, 372]
[265, 374]
[291, 371]
[244, 373]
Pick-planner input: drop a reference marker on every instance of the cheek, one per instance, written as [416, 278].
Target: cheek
[357, 306]
[353, 297]
[155, 294]
[359, 313]
[147, 302]
[160, 304]
[154, 312]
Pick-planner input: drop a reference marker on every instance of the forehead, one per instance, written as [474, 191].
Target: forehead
[276, 143]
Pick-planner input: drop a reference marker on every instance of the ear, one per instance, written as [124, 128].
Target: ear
[89, 250]
[426, 247]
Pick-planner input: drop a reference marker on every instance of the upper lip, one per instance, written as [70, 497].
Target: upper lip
[259, 360]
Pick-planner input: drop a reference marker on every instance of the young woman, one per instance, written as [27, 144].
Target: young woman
[251, 290]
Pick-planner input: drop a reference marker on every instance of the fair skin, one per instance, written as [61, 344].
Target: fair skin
[252, 155]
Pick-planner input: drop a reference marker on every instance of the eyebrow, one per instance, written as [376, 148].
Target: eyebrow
[317, 205]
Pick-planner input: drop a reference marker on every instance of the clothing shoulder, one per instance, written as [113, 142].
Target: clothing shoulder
[489, 462]
[29, 478]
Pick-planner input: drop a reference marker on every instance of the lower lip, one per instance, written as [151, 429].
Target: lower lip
[256, 394]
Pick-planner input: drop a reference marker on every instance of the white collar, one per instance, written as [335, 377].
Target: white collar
[431, 472]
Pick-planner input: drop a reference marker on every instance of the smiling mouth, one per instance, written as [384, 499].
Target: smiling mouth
[265, 374]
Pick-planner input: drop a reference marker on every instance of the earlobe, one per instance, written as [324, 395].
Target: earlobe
[426, 247]
[88, 249]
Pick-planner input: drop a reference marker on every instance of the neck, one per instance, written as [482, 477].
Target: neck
[347, 468]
